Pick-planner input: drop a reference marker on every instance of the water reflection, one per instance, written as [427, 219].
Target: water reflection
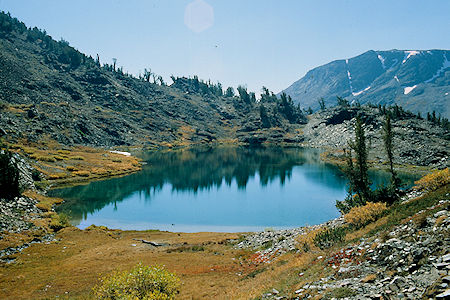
[221, 186]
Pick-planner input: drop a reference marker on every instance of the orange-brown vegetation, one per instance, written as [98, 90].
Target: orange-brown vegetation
[65, 165]
[362, 215]
[433, 181]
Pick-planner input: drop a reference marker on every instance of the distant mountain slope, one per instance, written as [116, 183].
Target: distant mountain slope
[416, 80]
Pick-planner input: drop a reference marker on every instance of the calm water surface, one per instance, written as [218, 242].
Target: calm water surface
[214, 189]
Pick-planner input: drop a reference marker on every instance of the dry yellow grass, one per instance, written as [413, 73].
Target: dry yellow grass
[361, 215]
[366, 229]
[306, 241]
[71, 267]
[433, 181]
[45, 203]
[63, 165]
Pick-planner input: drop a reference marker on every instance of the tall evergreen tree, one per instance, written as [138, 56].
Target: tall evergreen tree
[362, 187]
[356, 172]
[9, 174]
[264, 116]
[322, 103]
[387, 138]
[229, 92]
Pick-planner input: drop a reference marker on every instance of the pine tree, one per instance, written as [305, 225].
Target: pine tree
[362, 182]
[264, 117]
[322, 103]
[387, 138]
[9, 175]
[356, 172]
[229, 92]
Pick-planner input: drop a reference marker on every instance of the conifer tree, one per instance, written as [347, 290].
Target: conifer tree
[9, 174]
[322, 103]
[387, 138]
[357, 172]
[362, 182]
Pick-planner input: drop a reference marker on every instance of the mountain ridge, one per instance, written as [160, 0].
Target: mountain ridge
[418, 80]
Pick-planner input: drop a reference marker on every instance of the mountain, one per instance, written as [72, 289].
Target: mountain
[418, 80]
[49, 90]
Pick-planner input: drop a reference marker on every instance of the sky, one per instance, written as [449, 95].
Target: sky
[257, 43]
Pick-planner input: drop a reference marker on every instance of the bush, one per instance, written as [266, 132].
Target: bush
[306, 241]
[329, 237]
[59, 221]
[141, 282]
[9, 175]
[433, 181]
[47, 158]
[388, 194]
[362, 215]
[76, 157]
[3, 105]
[36, 175]
[82, 173]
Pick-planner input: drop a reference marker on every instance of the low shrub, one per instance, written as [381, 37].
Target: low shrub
[350, 201]
[82, 173]
[65, 152]
[362, 215]
[433, 181]
[56, 176]
[77, 157]
[341, 292]
[387, 194]
[329, 237]
[141, 282]
[3, 105]
[47, 158]
[322, 237]
[306, 241]
[36, 175]
[59, 221]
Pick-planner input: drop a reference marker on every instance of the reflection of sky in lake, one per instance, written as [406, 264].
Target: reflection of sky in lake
[214, 189]
[227, 208]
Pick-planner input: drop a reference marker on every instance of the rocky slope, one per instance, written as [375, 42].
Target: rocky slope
[416, 141]
[416, 80]
[410, 261]
[50, 90]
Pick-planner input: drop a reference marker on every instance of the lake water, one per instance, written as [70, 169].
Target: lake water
[214, 189]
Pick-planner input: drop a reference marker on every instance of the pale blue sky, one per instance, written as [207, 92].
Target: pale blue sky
[271, 43]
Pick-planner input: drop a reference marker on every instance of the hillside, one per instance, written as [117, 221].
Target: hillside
[417, 142]
[416, 80]
[50, 90]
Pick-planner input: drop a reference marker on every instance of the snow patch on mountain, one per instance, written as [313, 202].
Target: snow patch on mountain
[408, 89]
[408, 54]
[381, 58]
[445, 65]
[360, 92]
[349, 76]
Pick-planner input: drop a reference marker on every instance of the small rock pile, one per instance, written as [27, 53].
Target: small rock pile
[16, 214]
[272, 243]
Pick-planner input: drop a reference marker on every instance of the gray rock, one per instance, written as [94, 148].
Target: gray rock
[444, 295]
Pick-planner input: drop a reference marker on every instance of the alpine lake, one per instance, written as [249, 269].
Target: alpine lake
[218, 189]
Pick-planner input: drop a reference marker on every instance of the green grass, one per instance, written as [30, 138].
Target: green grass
[401, 211]
[340, 293]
